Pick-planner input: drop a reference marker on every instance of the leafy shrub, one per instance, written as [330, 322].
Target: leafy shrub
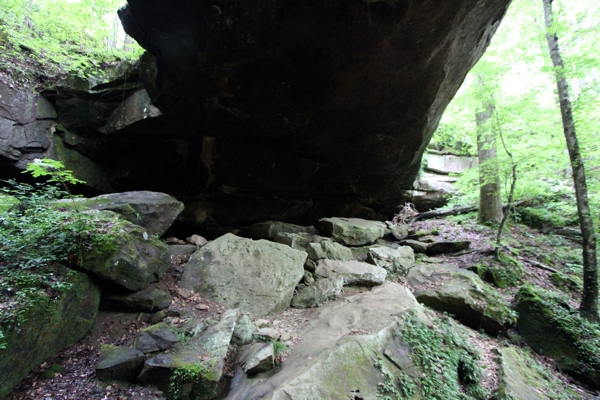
[39, 240]
[552, 214]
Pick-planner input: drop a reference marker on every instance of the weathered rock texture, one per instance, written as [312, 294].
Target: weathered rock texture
[130, 258]
[445, 287]
[256, 276]
[153, 211]
[340, 345]
[273, 110]
[48, 327]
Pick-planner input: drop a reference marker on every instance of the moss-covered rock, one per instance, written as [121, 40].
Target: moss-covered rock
[567, 282]
[194, 367]
[154, 211]
[522, 378]
[553, 329]
[128, 257]
[48, 327]
[445, 287]
[364, 347]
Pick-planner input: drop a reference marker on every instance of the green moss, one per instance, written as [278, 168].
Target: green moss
[508, 274]
[552, 328]
[193, 381]
[52, 371]
[565, 283]
[448, 361]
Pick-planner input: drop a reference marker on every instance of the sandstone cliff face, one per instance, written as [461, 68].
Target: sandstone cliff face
[286, 110]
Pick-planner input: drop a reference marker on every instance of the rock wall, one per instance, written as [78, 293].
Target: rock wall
[283, 110]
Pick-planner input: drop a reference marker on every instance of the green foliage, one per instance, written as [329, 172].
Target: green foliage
[448, 360]
[187, 379]
[38, 239]
[551, 214]
[516, 76]
[78, 37]
[388, 386]
[278, 347]
[53, 169]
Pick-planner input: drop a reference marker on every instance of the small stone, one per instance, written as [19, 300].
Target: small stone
[244, 330]
[261, 358]
[285, 336]
[159, 316]
[118, 363]
[156, 336]
[148, 300]
[184, 293]
[268, 333]
[262, 323]
[418, 247]
[427, 239]
[310, 265]
[174, 240]
[203, 307]
[447, 247]
[308, 279]
[197, 240]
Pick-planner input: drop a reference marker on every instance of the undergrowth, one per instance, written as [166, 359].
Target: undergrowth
[447, 361]
[39, 241]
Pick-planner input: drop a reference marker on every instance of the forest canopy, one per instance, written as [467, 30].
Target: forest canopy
[64, 36]
[516, 76]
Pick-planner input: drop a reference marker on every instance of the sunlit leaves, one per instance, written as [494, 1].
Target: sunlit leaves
[519, 80]
[65, 35]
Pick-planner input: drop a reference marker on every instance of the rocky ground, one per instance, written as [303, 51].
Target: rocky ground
[76, 378]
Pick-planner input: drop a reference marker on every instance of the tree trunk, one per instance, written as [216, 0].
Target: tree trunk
[589, 300]
[127, 43]
[490, 201]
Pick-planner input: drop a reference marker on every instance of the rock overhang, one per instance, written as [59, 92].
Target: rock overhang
[281, 110]
[326, 98]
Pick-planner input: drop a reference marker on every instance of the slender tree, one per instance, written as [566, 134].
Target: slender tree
[490, 201]
[589, 301]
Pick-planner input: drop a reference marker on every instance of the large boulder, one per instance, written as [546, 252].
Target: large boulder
[48, 327]
[553, 329]
[359, 89]
[128, 258]
[360, 347]
[153, 211]
[445, 287]
[256, 276]
[352, 231]
[26, 121]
